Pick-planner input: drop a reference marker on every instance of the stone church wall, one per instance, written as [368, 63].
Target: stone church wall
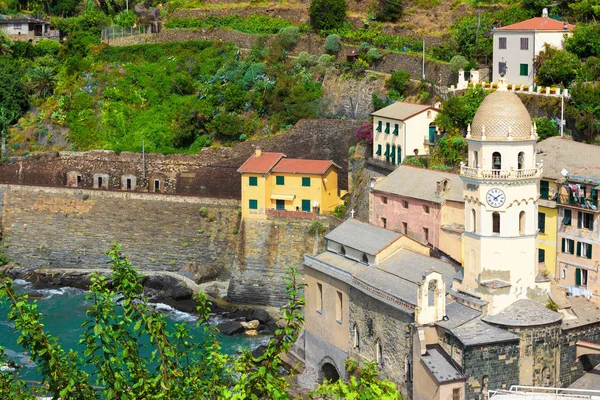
[572, 368]
[377, 321]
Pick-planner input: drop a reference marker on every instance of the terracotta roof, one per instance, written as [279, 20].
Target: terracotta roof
[402, 111]
[262, 164]
[538, 24]
[295, 165]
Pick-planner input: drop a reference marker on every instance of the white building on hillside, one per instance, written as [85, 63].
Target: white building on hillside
[517, 45]
[402, 129]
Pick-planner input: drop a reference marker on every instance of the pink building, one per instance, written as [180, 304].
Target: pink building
[424, 204]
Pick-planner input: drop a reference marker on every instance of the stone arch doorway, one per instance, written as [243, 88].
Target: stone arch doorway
[328, 372]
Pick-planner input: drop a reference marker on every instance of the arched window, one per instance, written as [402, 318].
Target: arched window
[475, 159]
[356, 335]
[473, 220]
[343, 250]
[522, 223]
[431, 293]
[379, 352]
[495, 222]
[496, 160]
[521, 161]
[365, 259]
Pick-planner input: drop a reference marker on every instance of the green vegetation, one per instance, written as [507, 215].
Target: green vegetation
[545, 128]
[399, 81]
[316, 228]
[327, 14]
[256, 24]
[178, 365]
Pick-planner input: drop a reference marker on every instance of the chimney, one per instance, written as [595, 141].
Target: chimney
[258, 151]
[545, 13]
[566, 26]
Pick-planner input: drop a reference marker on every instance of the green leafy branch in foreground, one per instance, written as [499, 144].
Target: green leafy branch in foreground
[134, 354]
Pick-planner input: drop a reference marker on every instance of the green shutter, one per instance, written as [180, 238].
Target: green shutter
[577, 276]
[306, 205]
[399, 154]
[280, 180]
[378, 152]
[393, 155]
[524, 69]
[567, 217]
[571, 246]
[579, 219]
[589, 251]
[544, 190]
[563, 245]
[395, 129]
[253, 204]
[578, 249]
[387, 127]
[387, 150]
[379, 126]
[305, 181]
[253, 181]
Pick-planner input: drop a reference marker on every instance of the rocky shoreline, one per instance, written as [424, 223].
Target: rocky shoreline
[170, 289]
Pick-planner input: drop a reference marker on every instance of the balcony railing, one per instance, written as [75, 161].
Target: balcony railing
[471, 172]
[582, 202]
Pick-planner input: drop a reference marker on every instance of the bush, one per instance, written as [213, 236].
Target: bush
[339, 211]
[364, 134]
[351, 151]
[545, 128]
[364, 47]
[317, 227]
[45, 47]
[590, 70]
[585, 41]
[126, 19]
[457, 63]
[325, 60]
[556, 67]
[288, 36]
[377, 102]
[359, 67]
[373, 54]
[386, 10]
[333, 44]
[422, 162]
[306, 60]
[327, 14]
[399, 81]
[203, 212]
[243, 137]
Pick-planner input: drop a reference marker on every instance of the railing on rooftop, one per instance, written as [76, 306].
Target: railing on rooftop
[551, 392]
[471, 172]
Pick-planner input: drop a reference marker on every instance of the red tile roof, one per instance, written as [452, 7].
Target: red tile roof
[538, 24]
[262, 164]
[297, 166]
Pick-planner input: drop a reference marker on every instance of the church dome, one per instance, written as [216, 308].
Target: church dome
[503, 115]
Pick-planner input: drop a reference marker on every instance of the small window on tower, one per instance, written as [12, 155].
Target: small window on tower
[496, 222]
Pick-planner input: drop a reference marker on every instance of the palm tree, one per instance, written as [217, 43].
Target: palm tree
[41, 80]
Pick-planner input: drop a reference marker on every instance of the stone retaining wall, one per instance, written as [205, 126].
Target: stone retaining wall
[73, 228]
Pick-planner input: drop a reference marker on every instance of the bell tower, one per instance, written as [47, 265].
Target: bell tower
[501, 190]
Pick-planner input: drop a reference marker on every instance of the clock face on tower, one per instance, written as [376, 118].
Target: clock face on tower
[495, 197]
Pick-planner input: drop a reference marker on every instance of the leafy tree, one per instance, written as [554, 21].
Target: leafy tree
[399, 81]
[449, 151]
[584, 109]
[590, 70]
[126, 19]
[333, 43]
[40, 81]
[386, 10]
[227, 125]
[458, 111]
[364, 133]
[364, 384]
[556, 67]
[457, 63]
[177, 367]
[327, 14]
[585, 9]
[585, 41]
[288, 36]
[545, 128]
[377, 102]
[13, 96]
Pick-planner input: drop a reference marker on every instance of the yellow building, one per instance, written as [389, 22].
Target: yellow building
[278, 186]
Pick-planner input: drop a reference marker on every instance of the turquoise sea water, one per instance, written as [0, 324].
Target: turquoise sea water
[64, 311]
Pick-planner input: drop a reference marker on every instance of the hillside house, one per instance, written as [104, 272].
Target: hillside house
[402, 129]
[424, 204]
[23, 28]
[278, 186]
[517, 45]
[569, 238]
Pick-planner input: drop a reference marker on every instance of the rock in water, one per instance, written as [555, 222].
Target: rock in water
[230, 327]
[181, 292]
[257, 352]
[261, 315]
[251, 332]
[252, 325]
